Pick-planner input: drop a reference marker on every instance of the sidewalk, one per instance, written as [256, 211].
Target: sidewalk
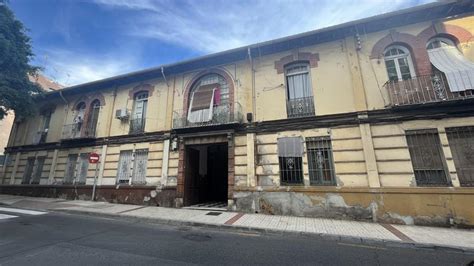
[360, 232]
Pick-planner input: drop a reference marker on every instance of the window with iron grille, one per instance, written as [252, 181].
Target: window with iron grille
[320, 161]
[38, 170]
[427, 157]
[28, 170]
[139, 166]
[82, 168]
[124, 167]
[461, 142]
[290, 159]
[70, 169]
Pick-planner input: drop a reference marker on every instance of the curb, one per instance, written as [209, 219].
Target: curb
[225, 227]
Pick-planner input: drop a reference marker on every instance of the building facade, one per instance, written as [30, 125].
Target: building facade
[369, 120]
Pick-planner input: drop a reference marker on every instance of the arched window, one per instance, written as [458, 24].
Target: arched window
[209, 79]
[439, 42]
[140, 104]
[299, 91]
[78, 119]
[398, 63]
[93, 118]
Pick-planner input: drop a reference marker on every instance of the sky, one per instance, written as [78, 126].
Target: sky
[78, 41]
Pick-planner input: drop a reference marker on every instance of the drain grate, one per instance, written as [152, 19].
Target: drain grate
[214, 213]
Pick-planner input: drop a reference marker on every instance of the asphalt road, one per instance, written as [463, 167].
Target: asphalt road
[65, 239]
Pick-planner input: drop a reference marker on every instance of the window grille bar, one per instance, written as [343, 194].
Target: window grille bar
[461, 142]
[124, 167]
[70, 169]
[139, 167]
[38, 170]
[28, 170]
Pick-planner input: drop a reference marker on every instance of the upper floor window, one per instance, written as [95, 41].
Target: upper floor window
[299, 91]
[209, 99]
[439, 42]
[93, 117]
[398, 63]
[140, 104]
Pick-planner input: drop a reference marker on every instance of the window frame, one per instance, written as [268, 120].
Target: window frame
[395, 58]
[325, 140]
[409, 134]
[440, 40]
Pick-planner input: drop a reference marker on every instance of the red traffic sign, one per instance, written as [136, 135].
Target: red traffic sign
[93, 157]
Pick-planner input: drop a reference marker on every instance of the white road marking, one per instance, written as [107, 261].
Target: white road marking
[21, 211]
[6, 216]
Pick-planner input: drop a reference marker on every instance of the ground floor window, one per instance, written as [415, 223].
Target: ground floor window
[132, 167]
[461, 142]
[28, 170]
[290, 159]
[320, 161]
[427, 157]
[77, 167]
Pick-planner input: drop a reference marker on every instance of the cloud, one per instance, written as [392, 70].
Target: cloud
[71, 68]
[212, 26]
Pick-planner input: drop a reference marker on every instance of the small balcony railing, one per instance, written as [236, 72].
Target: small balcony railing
[227, 113]
[78, 131]
[300, 107]
[137, 125]
[424, 89]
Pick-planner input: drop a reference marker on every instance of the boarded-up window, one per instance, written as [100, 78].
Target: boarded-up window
[139, 166]
[28, 170]
[461, 141]
[82, 167]
[427, 157]
[124, 167]
[70, 168]
[320, 161]
[38, 170]
[290, 153]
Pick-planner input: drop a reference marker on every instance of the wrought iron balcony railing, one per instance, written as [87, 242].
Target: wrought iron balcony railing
[78, 131]
[424, 89]
[40, 137]
[227, 113]
[300, 107]
[137, 125]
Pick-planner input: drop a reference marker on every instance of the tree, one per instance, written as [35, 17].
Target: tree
[17, 92]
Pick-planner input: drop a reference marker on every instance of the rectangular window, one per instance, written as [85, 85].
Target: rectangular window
[427, 157]
[290, 159]
[70, 169]
[320, 161]
[139, 166]
[299, 91]
[28, 170]
[461, 142]
[38, 170]
[124, 167]
[82, 168]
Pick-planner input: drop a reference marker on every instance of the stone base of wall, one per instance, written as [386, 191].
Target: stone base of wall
[421, 206]
[141, 195]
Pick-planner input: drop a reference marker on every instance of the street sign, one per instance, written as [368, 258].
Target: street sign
[93, 157]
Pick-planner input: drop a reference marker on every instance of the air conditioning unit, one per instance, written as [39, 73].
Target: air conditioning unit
[122, 114]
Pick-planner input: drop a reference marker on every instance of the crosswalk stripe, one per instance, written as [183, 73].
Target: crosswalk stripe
[21, 211]
[6, 216]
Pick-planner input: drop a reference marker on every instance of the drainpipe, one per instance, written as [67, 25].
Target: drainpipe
[254, 108]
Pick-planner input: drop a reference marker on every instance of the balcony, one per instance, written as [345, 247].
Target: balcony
[230, 113]
[300, 107]
[425, 89]
[137, 125]
[78, 131]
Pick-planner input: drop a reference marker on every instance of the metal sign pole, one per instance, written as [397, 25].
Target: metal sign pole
[95, 181]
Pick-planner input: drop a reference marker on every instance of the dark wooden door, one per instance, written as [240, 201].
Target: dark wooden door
[191, 178]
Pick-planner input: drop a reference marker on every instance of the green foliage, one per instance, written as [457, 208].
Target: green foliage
[17, 93]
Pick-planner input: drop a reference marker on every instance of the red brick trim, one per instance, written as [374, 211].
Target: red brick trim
[139, 88]
[417, 44]
[453, 32]
[312, 58]
[97, 96]
[218, 71]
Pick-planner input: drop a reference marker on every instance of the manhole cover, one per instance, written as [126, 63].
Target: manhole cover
[214, 213]
[197, 237]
